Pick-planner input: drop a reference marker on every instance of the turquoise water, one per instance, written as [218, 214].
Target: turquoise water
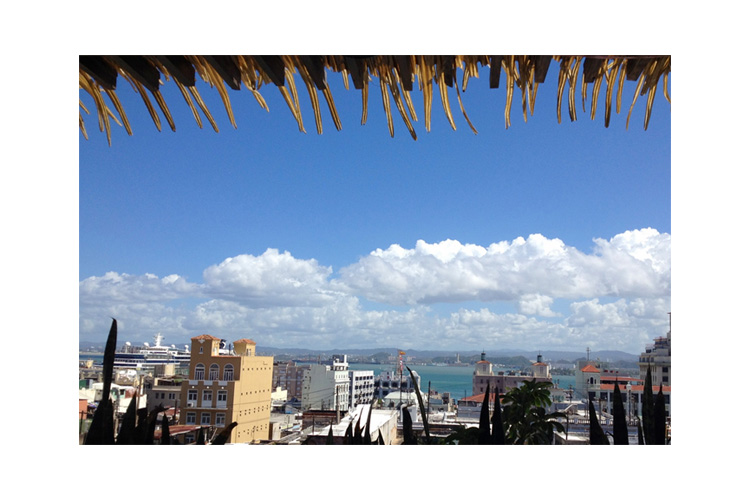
[454, 379]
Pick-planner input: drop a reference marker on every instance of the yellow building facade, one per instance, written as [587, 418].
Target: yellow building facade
[228, 386]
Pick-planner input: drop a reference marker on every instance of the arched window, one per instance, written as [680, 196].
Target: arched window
[200, 371]
[213, 372]
[228, 372]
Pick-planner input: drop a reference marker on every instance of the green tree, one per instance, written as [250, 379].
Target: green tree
[525, 415]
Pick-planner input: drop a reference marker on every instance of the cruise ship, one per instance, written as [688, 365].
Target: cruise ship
[149, 356]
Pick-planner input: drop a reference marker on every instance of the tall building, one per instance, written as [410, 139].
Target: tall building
[659, 356]
[228, 385]
[315, 386]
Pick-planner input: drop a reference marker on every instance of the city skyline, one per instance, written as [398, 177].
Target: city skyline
[538, 236]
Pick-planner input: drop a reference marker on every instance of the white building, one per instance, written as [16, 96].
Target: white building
[390, 381]
[361, 387]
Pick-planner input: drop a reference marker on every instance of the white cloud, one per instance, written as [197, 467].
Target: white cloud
[270, 279]
[634, 264]
[615, 298]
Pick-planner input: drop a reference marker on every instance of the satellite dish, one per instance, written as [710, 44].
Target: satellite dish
[146, 344]
[127, 344]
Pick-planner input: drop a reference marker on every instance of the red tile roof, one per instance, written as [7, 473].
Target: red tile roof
[479, 398]
[205, 337]
[590, 369]
[636, 388]
[244, 341]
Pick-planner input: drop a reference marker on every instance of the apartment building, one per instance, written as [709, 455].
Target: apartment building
[228, 385]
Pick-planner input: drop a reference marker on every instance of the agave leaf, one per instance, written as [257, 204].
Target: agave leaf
[660, 418]
[620, 426]
[127, 429]
[596, 434]
[367, 437]
[102, 429]
[409, 437]
[498, 430]
[224, 435]
[421, 404]
[484, 419]
[329, 437]
[165, 437]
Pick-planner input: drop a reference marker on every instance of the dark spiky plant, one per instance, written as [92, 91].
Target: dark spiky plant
[640, 432]
[619, 424]
[660, 418]
[329, 437]
[223, 436]
[357, 436]
[421, 405]
[348, 437]
[647, 408]
[484, 419]
[102, 429]
[498, 429]
[165, 437]
[367, 439]
[596, 434]
[201, 436]
[380, 438]
[151, 424]
[409, 437]
[127, 434]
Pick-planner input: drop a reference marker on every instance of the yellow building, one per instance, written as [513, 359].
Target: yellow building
[226, 386]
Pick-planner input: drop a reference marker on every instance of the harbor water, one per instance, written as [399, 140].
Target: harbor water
[457, 380]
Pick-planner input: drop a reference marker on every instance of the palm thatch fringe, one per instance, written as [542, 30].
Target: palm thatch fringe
[396, 74]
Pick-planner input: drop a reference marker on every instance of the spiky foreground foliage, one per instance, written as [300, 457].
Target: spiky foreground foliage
[396, 75]
[596, 433]
[647, 408]
[484, 419]
[498, 428]
[619, 424]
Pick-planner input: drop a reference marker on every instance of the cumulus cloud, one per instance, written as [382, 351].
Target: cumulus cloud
[125, 288]
[617, 296]
[269, 279]
[633, 264]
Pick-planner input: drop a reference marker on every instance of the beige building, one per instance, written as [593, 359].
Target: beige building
[226, 386]
[484, 375]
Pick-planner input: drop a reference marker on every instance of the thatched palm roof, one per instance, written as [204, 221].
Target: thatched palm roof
[397, 75]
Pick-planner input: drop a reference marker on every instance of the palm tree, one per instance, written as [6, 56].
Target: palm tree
[525, 414]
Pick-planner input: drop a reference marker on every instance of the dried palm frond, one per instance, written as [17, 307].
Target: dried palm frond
[396, 74]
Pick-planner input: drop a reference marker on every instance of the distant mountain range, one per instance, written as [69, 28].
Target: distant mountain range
[422, 354]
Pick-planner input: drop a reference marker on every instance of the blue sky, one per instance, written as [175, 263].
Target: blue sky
[538, 236]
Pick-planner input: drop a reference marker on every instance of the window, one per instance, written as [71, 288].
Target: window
[229, 372]
[221, 396]
[213, 372]
[207, 397]
[192, 395]
[205, 419]
[200, 371]
[190, 418]
[171, 395]
[220, 419]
